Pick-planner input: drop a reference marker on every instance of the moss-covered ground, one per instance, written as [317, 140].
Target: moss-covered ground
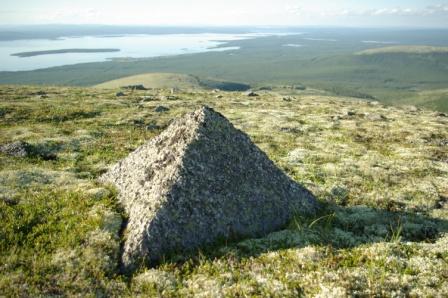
[381, 173]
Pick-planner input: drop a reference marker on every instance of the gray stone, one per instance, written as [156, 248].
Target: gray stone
[135, 87]
[17, 149]
[120, 94]
[161, 109]
[199, 181]
[412, 109]
[251, 94]
[9, 201]
[153, 126]
[294, 130]
[377, 117]
[39, 93]
[299, 87]
[138, 122]
[45, 150]
[149, 98]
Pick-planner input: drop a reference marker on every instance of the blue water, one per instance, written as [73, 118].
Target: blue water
[131, 46]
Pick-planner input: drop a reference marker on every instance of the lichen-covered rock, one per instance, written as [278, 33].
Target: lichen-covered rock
[17, 149]
[199, 181]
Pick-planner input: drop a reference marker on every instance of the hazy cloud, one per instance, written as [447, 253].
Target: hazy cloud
[230, 12]
[430, 10]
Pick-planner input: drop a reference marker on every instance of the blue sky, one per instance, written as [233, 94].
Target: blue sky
[364, 13]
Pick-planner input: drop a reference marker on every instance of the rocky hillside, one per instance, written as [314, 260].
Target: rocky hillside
[381, 173]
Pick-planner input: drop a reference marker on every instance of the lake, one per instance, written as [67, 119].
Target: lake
[130, 46]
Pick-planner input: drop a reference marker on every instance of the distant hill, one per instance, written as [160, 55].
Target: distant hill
[405, 50]
[433, 99]
[155, 80]
[172, 80]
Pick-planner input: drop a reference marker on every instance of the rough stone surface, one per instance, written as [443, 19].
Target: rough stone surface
[200, 180]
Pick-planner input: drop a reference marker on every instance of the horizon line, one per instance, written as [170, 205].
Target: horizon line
[228, 26]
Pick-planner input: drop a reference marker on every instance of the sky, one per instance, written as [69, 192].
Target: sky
[346, 13]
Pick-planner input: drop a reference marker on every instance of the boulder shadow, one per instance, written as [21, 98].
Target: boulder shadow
[335, 226]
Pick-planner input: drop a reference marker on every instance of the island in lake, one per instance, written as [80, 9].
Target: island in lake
[63, 51]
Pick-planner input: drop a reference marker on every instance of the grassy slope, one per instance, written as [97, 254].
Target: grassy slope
[434, 99]
[173, 80]
[381, 171]
[155, 80]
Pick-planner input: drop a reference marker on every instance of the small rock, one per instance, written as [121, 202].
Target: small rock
[119, 94]
[442, 203]
[351, 113]
[161, 109]
[169, 97]
[290, 130]
[218, 96]
[9, 201]
[148, 98]
[17, 149]
[39, 93]
[135, 87]
[377, 117]
[442, 115]
[251, 94]
[153, 126]
[340, 195]
[299, 87]
[43, 96]
[287, 98]
[138, 122]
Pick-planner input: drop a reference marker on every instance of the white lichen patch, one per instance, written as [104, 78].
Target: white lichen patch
[159, 280]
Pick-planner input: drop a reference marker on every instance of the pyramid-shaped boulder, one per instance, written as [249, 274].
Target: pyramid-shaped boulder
[198, 181]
